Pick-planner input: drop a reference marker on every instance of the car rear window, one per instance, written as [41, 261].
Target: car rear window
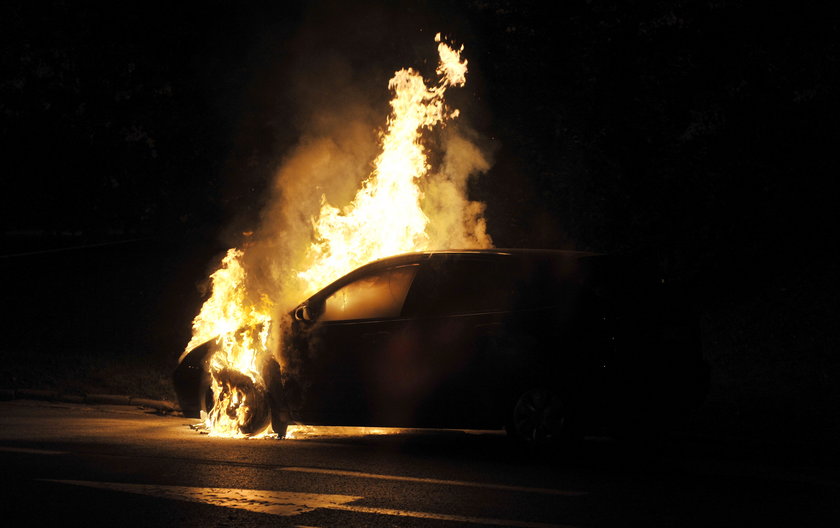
[376, 296]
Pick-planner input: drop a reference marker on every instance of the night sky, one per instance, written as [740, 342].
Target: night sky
[139, 140]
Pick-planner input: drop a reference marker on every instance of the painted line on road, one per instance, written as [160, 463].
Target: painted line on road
[484, 485]
[285, 503]
[31, 451]
[446, 517]
[282, 503]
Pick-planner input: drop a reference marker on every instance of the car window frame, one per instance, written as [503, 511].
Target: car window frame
[413, 305]
[318, 301]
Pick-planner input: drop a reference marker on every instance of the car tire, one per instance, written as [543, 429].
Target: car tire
[541, 417]
[258, 415]
[270, 399]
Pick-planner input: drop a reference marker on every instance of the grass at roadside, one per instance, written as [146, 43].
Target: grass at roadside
[83, 373]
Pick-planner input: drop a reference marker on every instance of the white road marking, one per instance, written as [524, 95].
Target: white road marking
[31, 451]
[447, 517]
[285, 503]
[485, 485]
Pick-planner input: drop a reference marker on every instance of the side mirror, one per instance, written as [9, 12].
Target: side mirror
[302, 313]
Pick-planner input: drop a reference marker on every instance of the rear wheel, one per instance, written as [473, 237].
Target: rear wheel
[541, 417]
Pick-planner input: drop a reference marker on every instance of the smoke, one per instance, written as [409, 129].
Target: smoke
[327, 166]
[332, 167]
[456, 221]
[339, 140]
[369, 168]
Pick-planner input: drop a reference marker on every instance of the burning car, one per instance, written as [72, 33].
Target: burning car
[548, 344]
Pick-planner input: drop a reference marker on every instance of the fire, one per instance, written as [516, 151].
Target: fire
[386, 217]
[240, 329]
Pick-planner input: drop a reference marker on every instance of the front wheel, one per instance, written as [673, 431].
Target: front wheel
[242, 406]
[245, 407]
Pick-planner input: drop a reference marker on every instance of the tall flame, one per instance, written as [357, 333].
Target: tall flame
[384, 218]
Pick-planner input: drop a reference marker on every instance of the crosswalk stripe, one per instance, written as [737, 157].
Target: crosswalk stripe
[284, 503]
[484, 485]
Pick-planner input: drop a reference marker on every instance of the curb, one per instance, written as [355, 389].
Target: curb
[108, 399]
[34, 394]
[94, 399]
[160, 405]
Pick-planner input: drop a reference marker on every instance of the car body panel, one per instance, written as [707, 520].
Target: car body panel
[453, 341]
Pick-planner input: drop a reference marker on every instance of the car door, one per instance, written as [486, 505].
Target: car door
[461, 304]
[353, 327]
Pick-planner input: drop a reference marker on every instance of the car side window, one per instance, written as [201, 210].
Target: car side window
[464, 286]
[377, 296]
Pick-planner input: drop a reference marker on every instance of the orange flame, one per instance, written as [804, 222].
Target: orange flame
[240, 329]
[385, 218]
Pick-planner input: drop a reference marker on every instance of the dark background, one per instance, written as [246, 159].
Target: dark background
[139, 138]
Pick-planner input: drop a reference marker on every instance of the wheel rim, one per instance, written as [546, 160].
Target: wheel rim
[539, 416]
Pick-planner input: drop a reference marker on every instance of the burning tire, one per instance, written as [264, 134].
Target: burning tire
[240, 403]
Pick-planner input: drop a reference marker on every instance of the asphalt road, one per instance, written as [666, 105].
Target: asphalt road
[76, 464]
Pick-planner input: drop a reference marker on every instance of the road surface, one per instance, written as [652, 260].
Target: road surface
[116, 466]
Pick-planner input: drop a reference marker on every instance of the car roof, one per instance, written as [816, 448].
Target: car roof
[515, 251]
[493, 251]
[419, 256]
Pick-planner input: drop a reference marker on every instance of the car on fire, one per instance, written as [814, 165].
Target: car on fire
[547, 344]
